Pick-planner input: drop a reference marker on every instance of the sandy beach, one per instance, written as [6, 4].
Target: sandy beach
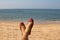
[45, 31]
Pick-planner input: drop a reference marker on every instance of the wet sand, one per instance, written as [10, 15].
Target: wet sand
[40, 31]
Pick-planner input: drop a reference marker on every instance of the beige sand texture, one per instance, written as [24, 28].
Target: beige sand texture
[46, 31]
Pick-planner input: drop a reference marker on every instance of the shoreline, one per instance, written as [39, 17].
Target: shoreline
[35, 22]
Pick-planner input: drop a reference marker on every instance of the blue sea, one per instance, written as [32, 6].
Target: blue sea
[25, 14]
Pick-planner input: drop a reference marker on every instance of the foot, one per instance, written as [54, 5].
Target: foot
[22, 27]
[29, 26]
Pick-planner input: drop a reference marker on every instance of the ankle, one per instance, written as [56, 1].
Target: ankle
[25, 33]
[25, 36]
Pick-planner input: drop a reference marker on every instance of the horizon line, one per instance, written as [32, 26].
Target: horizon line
[25, 8]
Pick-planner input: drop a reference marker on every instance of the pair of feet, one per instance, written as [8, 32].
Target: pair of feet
[27, 29]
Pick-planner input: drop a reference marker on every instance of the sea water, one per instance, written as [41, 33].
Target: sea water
[24, 14]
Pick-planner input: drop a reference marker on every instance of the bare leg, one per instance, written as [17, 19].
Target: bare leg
[26, 31]
[25, 36]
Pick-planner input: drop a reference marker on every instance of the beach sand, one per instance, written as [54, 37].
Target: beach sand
[40, 31]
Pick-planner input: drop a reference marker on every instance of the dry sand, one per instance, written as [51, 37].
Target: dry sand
[45, 31]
